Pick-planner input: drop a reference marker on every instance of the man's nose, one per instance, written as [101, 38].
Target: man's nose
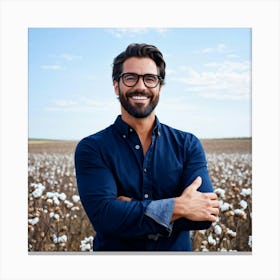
[140, 85]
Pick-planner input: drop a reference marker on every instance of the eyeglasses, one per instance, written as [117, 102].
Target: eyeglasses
[131, 79]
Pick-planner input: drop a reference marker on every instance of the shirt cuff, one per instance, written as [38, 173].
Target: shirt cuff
[161, 211]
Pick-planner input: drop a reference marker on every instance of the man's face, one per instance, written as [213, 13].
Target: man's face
[139, 100]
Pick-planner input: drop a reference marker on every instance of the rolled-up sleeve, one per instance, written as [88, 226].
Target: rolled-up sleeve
[161, 211]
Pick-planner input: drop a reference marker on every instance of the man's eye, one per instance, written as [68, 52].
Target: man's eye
[130, 77]
[151, 79]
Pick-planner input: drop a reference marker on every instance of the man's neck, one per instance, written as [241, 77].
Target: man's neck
[143, 126]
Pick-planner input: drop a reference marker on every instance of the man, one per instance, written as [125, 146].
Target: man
[143, 184]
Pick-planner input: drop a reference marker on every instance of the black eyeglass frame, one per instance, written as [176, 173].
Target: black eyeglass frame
[143, 78]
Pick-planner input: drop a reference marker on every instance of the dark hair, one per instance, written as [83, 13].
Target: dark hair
[139, 50]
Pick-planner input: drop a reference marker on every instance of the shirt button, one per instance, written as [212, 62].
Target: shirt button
[146, 195]
[137, 147]
[131, 130]
[145, 170]
[124, 136]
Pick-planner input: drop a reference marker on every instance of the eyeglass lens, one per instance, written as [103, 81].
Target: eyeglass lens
[131, 79]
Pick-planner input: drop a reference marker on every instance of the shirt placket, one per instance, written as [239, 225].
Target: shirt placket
[145, 163]
[147, 174]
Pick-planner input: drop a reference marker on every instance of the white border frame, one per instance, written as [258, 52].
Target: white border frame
[18, 16]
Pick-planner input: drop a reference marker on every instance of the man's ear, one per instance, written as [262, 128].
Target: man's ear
[116, 87]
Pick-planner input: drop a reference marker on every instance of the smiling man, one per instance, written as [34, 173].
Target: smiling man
[143, 184]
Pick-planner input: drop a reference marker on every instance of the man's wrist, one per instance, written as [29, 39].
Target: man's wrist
[177, 210]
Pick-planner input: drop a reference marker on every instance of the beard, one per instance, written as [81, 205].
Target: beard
[138, 110]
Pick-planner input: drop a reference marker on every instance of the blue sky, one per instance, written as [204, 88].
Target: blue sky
[207, 90]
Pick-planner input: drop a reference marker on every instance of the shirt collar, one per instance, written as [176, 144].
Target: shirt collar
[125, 129]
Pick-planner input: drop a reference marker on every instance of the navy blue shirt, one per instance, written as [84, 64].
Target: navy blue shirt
[111, 163]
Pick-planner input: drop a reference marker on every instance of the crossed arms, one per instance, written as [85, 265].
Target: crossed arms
[114, 215]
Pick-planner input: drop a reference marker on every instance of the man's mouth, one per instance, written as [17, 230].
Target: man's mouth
[139, 97]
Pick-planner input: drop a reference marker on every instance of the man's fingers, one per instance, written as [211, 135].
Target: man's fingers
[213, 218]
[196, 183]
[124, 198]
[215, 211]
[213, 196]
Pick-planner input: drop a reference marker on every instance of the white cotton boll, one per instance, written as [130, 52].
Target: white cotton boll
[211, 240]
[59, 239]
[225, 206]
[37, 193]
[231, 233]
[239, 212]
[62, 196]
[220, 192]
[75, 198]
[245, 192]
[68, 203]
[39, 188]
[90, 239]
[55, 200]
[56, 216]
[50, 194]
[51, 214]
[87, 247]
[62, 239]
[218, 229]
[55, 239]
[243, 204]
[86, 244]
[33, 221]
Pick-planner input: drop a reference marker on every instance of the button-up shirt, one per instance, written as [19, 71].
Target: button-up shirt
[111, 163]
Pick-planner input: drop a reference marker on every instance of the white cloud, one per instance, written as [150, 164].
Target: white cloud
[219, 48]
[64, 102]
[82, 105]
[172, 104]
[232, 55]
[132, 32]
[227, 80]
[54, 67]
[169, 71]
[66, 56]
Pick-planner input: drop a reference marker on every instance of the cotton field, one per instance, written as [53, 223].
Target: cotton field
[231, 175]
[57, 221]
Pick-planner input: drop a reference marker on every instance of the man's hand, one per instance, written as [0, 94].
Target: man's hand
[196, 206]
[124, 198]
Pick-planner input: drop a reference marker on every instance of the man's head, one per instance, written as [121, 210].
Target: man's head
[139, 50]
[138, 74]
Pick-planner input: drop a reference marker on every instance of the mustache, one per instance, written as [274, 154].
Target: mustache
[139, 93]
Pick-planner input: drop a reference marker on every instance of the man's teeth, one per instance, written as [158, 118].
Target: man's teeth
[139, 97]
